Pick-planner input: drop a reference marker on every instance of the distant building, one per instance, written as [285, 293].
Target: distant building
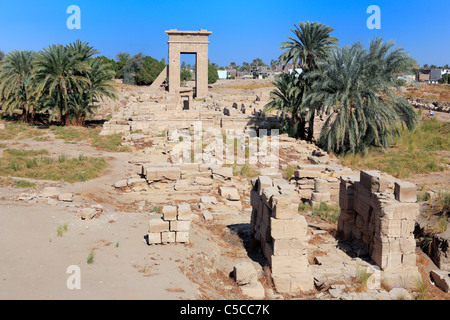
[435, 76]
[222, 74]
[231, 73]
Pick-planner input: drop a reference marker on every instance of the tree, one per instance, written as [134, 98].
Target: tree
[59, 72]
[84, 102]
[185, 75]
[132, 68]
[287, 97]
[150, 70]
[245, 67]
[2, 55]
[233, 65]
[16, 86]
[122, 59]
[213, 75]
[310, 45]
[356, 92]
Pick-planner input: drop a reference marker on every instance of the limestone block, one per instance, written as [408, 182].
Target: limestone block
[158, 225]
[184, 212]
[224, 172]
[254, 290]
[289, 264]
[442, 279]
[203, 181]
[67, 197]
[371, 180]
[288, 229]
[284, 207]
[307, 174]
[167, 237]
[178, 225]
[169, 213]
[407, 245]
[312, 167]
[405, 191]
[395, 210]
[262, 183]
[207, 215]
[245, 273]
[88, 213]
[320, 185]
[267, 194]
[121, 184]
[320, 196]
[227, 191]
[182, 236]
[255, 198]
[154, 238]
[289, 247]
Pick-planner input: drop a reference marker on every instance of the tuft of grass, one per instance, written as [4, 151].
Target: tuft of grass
[304, 207]
[61, 229]
[117, 244]
[422, 288]
[361, 277]
[157, 209]
[326, 212]
[90, 258]
[24, 184]
[289, 172]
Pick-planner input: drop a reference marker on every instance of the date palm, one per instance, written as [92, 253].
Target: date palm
[59, 73]
[357, 94]
[16, 87]
[311, 44]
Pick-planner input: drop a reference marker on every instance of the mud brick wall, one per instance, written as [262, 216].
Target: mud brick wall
[382, 219]
[172, 227]
[282, 233]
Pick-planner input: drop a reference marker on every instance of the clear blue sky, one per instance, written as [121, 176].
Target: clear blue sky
[242, 30]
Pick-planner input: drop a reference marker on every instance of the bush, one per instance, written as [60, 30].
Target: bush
[213, 75]
[185, 75]
[151, 68]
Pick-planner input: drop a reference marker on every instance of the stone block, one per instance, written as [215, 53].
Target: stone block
[320, 185]
[442, 279]
[254, 290]
[289, 229]
[320, 196]
[245, 273]
[289, 264]
[138, 183]
[312, 167]
[49, 192]
[158, 225]
[168, 237]
[88, 213]
[307, 174]
[207, 215]
[227, 191]
[224, 172]
[371, 180]
[290, 247]
[267, 194]
[169, 213]
[67, 197]
[178, 225]
[395, 210]
[262, 183]
[255, 199]
[121, 184]
[284, 207]
[154, 237]
[182, 236]
[405, 191]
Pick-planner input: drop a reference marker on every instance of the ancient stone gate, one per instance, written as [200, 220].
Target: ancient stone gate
[188, 42]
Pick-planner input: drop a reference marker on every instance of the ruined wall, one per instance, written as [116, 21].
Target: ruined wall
[282, 233]
[383, 220]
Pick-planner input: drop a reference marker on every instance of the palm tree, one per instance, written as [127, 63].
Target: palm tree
[287, 97]
[59, 73]
[16, 90]
[356, 92]
[83, 102]
[311, 44]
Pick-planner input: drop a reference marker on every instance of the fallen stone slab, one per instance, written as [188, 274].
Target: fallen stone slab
[67, 197]
[254, 290]
[224, 172]
[442, 279]
[245, 273]
[207, 215]
[227, 191]
[121, 184]
[48, 192]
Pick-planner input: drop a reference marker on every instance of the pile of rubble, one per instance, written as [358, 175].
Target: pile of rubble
[282, 233]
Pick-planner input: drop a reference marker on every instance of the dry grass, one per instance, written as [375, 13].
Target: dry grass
[429, 92]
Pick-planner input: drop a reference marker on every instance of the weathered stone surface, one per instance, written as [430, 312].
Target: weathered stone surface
[207, 215]
[289, 264]
[244, 273]
[154, 237]
[442, 279]
[67, 197]
[121, 184]
[168, 237]
[284, 207]
[158, 225]
[48, 192]
[405, 191]
[182, 236]
[169, 213]
[288, 229]
[87, 213]
[254, 290]
[178, 225]
[224, 172]
[263, 182]
[225, 192]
